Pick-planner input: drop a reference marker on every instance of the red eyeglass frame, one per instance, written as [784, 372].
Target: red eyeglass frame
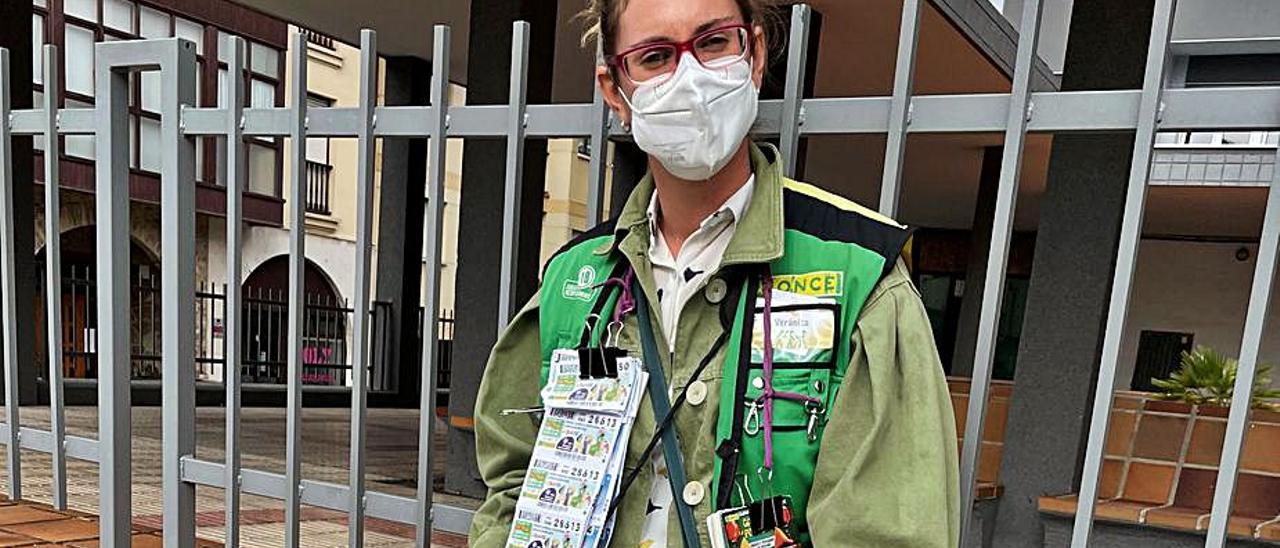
[615, 60]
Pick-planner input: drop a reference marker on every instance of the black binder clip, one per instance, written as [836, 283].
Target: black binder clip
[610, 350]
[591, 359]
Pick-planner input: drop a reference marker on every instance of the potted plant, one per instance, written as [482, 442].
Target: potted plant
[1206, 377]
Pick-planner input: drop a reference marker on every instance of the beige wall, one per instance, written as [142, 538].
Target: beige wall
[334, 74]
[565, 199]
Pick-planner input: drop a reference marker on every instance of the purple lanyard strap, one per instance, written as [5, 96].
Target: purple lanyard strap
[769, 393]
[627, 304]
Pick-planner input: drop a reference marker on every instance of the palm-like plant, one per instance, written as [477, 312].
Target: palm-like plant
[1208, 377]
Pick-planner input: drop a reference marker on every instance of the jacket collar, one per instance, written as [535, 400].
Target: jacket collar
[757, 239]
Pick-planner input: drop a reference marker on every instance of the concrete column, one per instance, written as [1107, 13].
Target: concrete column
[976, 269]
[1071, 276]
[479, 230]
[15, 35]
[403, 187]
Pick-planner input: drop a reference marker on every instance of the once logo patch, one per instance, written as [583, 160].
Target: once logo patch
[583, 288]
[822, 283]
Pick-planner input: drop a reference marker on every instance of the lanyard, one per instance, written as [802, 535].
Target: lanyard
[661, 410]
[766, 287]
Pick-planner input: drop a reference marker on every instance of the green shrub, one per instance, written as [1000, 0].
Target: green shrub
[1206, 377]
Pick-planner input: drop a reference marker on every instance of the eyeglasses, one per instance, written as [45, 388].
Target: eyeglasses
[655, 62]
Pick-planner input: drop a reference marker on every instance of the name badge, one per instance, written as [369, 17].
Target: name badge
[803, 329]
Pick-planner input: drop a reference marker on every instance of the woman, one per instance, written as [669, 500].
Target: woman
[845, 414]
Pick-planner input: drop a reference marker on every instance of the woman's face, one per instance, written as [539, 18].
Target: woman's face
[646, 21]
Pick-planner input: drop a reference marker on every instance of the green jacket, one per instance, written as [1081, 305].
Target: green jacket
[885, 472]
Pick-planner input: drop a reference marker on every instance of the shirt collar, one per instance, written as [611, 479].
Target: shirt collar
[732, 209]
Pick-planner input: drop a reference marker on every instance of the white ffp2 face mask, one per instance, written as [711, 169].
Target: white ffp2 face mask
[695, 120]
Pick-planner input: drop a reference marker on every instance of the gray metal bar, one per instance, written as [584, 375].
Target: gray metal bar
[998, 257]
[71, 121]
[793, 94]
[1255, 322]
[433, 241]
[895, 149]
[178, 291]
[328, 495]
[53, 275]
[1188, 109]
[364, 246]
[599, 142]
[515, 171]
[8, 277]
[34, 439]
[236, 162]
[1126, 260]
[111, 198]
[296, 157]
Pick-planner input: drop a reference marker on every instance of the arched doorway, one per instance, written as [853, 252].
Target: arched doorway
[79, 262]
[266, 326]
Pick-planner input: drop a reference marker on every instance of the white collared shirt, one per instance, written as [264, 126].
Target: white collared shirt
[678, 279]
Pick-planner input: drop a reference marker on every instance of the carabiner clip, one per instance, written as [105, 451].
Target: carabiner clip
[751, 423]
[815, 410]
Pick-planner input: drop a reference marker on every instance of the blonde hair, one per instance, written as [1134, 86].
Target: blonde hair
[601, 20]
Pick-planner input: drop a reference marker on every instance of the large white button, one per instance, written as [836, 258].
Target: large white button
[694, 493]
[697, 393]
[716, 290]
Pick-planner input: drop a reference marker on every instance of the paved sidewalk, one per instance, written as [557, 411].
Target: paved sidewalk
[392, 436]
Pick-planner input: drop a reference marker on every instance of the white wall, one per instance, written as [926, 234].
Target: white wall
[334, 256]
[1198, 288]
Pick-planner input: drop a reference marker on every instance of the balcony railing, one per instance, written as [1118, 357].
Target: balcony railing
[318, 187]
[1187, 165]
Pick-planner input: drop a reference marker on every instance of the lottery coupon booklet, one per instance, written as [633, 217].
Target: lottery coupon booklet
[578, 456]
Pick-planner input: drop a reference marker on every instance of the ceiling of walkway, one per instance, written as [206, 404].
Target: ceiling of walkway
[857, 50]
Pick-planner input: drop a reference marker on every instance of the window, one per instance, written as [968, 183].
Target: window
[86, 22]
[37, 56]
[1233, 70]
[318, 147]
[78, 59]
[118, 14]
[318, 169]
[154, 24]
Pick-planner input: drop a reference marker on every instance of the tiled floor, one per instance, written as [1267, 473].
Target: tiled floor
[391, 457]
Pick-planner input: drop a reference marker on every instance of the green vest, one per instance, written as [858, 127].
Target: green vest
[830, 251]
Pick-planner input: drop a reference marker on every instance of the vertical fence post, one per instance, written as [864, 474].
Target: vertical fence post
[53, 275]
[895, 148]
[515, 170]
[111, 197]
[296, 156]
[178, 291]
[9, 289]
[1126, 261]
[998, 258]
[364, 248]
[1255, 322]
[433, 229]
[233, 355]
[599, 142]
[793, 95]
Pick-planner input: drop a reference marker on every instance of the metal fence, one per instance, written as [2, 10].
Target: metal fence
[1014, 114]
[327, 324]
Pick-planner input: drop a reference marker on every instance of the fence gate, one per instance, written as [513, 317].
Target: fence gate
[1015, 114]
